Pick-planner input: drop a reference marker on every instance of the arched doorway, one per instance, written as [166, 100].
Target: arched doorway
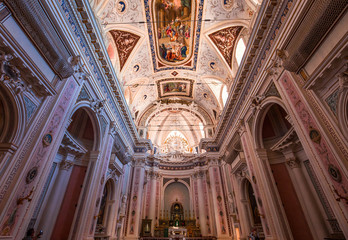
[68, 178]
[286, 157]
[10, 124]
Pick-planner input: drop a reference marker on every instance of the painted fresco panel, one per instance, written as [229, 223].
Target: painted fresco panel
[175, 87]
[173, 27]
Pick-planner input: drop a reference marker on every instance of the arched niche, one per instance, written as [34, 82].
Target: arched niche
[176, 191]
[85, 128]
[271, 123]
[285, 165]
[10, 118]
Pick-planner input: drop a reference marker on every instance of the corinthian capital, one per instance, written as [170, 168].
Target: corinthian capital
[293, 163]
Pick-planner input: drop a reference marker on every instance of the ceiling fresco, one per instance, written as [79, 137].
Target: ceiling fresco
[174, 29]
[174, 25]
[174, 60]
[175, 87]
[225, 40]
[125, 43]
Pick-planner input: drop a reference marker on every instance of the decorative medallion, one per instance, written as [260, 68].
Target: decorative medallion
[121, 6]
[136, 68]
[335, 173]
[219, 198]
[212, 65]
[47, 139]
[314, 134]
[135, 198]
[31, 175]
[125, 43]
[225, 40]
[174, 73]
[227, 4]
[175, 87]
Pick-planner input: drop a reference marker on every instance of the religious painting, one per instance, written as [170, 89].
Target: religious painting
[175, 87]
[173, 27]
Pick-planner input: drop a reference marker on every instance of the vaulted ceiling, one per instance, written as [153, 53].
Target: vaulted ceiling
[175, 60]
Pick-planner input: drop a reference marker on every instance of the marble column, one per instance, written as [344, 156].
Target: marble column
[152, 210]
[201, 205]
[81, 227]
[218, 200]
[98, 184]
[135, 202]
[309, 206]
[56, 196]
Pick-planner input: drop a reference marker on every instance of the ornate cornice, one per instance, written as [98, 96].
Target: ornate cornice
[289, 140]
[87, 32]
[70, 145]
[38, 25]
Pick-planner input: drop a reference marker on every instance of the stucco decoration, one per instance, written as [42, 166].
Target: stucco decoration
[115, 13]
[142, 59]
[215, 66]
[225, 40]
[226, 9]
[125, 43]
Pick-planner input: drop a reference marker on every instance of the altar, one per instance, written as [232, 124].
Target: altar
[175, 232]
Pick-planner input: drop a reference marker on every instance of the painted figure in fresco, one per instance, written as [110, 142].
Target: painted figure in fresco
[121, 6]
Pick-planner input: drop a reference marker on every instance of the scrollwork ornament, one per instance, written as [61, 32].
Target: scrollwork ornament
[9, 74]
[98, 105]
[79, 70]
[293, 163]
[65, 165]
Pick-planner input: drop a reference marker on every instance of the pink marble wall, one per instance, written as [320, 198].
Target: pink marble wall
[133, 201]
[15, 212]
[321, 147]
[68, 207]
[206, 204]
[255, 186]
[195, 188]
[220, 201]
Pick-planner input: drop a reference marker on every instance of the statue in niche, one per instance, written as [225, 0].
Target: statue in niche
[231, 204]
[123, 204]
